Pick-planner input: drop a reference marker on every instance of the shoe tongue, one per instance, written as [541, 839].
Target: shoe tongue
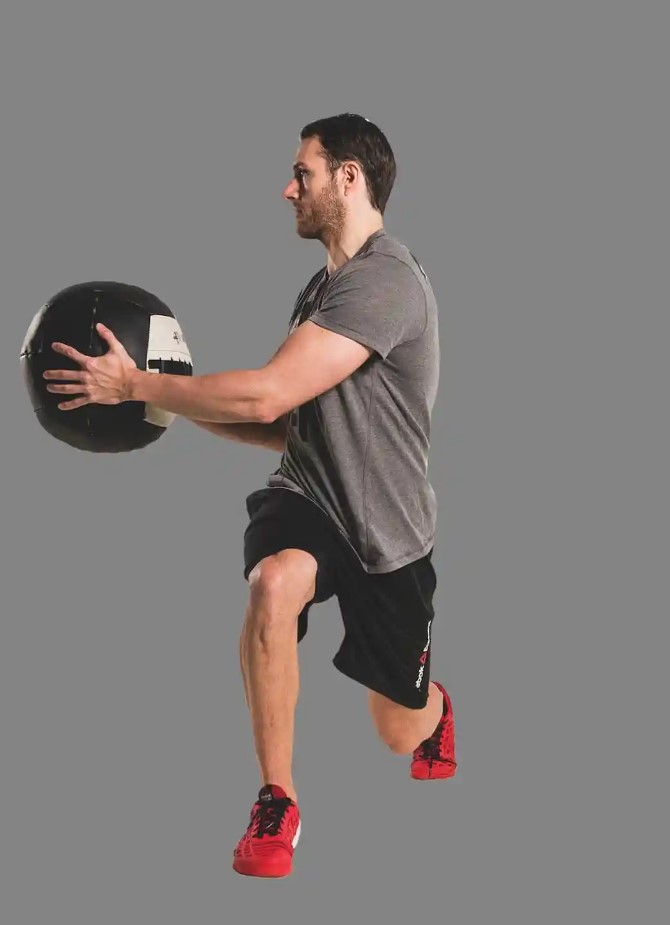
[271, 792]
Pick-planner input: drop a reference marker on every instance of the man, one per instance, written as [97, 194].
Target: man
[347, 400]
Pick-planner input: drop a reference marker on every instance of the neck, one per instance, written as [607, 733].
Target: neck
[350, 241]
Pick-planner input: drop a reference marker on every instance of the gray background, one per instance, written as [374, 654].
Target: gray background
[149, 143]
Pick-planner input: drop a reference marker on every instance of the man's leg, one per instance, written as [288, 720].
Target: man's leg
[280, 586]
[403, 729]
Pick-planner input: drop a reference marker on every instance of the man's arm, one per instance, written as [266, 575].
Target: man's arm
[310, 361]
[272, 436]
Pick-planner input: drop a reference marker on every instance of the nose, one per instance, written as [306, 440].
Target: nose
[291, 190]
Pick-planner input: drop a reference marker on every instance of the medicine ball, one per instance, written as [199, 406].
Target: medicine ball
[147, 329]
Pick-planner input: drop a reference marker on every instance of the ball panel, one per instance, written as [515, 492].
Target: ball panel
[112, 293]
[128, 324]
[167, 352]
[92, 441]
[166, 340]
[140, 298]
[116, 422]
[33, 327]
[71, 325]
[33, 365]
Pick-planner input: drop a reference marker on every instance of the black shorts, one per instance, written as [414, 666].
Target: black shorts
[387, 617]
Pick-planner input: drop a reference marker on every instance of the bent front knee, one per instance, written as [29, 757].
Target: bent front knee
[397, 743]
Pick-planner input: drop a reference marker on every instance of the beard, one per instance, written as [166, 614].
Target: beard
[322, 219]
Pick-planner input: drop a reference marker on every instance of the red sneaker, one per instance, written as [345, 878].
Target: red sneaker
[266, 849]
[434, 759]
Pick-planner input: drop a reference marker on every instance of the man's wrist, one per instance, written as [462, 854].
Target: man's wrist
[134, 384]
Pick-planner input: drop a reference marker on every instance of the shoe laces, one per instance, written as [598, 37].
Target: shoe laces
[269, 816]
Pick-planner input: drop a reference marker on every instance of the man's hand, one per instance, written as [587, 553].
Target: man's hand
[104, 380]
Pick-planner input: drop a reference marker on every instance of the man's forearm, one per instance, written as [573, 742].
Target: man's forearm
[272, 436]
[235, 397]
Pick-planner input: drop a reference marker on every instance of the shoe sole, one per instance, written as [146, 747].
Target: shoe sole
[435, 774]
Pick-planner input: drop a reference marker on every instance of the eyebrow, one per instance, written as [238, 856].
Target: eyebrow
[300, 164]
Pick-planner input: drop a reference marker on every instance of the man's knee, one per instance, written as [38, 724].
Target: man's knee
[280, 587]
[399, 742]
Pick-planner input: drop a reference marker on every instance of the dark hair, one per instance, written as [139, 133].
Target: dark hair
[349, 137]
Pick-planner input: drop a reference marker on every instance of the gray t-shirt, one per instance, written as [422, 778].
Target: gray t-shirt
[360, 450]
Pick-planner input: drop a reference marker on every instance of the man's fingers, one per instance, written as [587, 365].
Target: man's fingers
[74, 375]
[68, 388]
[70, 352]
[75, 403]
[107, 335]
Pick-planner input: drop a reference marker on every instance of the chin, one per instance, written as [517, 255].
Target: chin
[309, 233]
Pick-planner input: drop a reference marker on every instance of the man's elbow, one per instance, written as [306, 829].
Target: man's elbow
[268, 412]
[271, 401]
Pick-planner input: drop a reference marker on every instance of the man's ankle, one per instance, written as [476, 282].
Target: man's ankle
[433, 710]
[286, 786]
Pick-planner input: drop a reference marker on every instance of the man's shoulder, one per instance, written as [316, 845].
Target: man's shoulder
[388, 259]
[386, 246]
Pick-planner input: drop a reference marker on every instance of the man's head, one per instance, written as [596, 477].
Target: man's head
[344, 172]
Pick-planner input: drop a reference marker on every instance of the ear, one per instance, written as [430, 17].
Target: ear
[350, 172]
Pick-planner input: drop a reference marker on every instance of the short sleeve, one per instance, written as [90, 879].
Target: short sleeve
[378, 302]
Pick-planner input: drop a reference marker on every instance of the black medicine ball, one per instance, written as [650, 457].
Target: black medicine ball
[147, 329]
